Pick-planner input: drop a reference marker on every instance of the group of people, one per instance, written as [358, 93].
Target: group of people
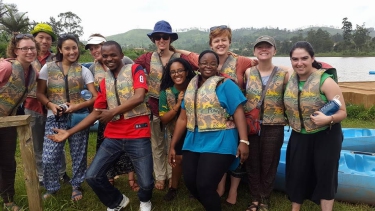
[171, 114]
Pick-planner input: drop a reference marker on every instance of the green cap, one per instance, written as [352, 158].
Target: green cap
[266, 39]
[43, 27]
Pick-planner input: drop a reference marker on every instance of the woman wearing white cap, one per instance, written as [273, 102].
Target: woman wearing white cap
[265, 146]
[154, 63]
[98, 69]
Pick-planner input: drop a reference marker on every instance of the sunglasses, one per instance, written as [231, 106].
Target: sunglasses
[22, 36]
[67, 36]
[159, 36]
[218, 27]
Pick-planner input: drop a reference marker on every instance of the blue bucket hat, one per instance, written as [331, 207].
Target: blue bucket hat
[163, 27]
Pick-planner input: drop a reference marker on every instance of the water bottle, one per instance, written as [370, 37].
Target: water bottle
[86, 94]
[331, 107]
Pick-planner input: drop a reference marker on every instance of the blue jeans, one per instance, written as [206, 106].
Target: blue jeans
[139, 151]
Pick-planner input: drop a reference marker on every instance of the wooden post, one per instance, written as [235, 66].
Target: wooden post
[25, 138]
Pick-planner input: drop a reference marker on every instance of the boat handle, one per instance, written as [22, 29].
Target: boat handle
[363, 153]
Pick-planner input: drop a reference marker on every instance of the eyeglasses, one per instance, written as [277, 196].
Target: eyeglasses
[179, 71]
[159, 36]
[26, 49]
[208, 65]
[218, 27]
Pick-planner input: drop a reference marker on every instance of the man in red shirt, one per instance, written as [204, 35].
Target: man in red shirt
[120, 104]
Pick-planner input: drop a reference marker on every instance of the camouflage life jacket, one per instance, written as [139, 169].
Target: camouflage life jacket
[119, 90]
[56, 88]
[171, 102]
[14, 92]
[273, 105]
[37, 67]
[229, 67]
[156, 72]
[299, 105]
[203, 107]
[98, 71]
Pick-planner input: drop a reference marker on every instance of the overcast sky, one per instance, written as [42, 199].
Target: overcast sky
[110, 17]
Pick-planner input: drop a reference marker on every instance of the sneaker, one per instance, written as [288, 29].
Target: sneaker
[125, 201]
[65, 178]
[145, 206]
[171, 194]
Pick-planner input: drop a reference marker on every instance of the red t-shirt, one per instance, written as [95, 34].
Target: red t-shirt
[136, 127]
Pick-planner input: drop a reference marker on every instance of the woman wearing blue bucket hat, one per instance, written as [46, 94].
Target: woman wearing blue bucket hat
[154, 63]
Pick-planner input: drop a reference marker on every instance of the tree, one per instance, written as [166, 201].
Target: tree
[69, 23]
[347, 33]
[13, 21]
[361, 36]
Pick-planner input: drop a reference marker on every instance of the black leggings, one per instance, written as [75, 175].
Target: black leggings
[202, 174]
[8, 142]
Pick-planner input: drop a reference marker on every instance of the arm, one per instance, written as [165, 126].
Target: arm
[171, 114]
[5, 71]
[330, 88]
[240, 121]
[178, 132]
[75, 107]
[192, 58]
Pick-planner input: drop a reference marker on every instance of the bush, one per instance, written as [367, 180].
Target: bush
[360, 112]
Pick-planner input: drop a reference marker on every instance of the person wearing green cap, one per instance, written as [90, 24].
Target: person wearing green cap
[44, 36]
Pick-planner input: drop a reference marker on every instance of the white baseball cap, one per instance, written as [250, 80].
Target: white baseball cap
[94, 40]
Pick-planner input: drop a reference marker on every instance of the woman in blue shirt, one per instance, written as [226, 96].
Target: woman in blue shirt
[212, 112]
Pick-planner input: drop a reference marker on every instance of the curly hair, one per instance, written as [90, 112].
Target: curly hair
[166, 79]
[13, 44]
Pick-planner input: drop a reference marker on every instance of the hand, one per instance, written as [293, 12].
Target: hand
[255, 62]
[60, 136]
[71, 108]
[243, 152]
[320, 119]
[180, 97]
[172, 157]
[56, 110]
[105, 116]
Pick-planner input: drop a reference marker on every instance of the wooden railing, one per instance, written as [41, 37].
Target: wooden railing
[27, 153]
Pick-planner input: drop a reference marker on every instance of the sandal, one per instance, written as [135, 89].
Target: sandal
[160, 184]
[263, 207]
[48, 195]
[11, 207]
[76, 194]
[252, 206]
[133, 185]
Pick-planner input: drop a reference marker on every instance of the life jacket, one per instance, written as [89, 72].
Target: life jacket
[56, 87]
[171, 102]
[273, 106]
[203, 107]
[37, 67]
[119, 90]
[299, 105]
[15, 91]
[228, 69]
[99, 72]
[156, 72]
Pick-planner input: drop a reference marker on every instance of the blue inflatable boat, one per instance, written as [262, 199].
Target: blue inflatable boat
[355, 139]
[356, 176]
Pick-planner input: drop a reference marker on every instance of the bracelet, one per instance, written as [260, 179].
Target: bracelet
[246, 142]
[47, 103]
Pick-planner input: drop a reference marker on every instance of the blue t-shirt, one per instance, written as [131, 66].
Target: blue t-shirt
[222, 141]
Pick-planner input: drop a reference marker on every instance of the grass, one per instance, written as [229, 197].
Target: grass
[61, 201]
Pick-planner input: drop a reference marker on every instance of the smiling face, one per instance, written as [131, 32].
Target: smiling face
[95, 51]
[44, 40]
[264, 51]
[302, 63]
[112, 57]
[162, 41]
[178, 73]
[220, 44]
[28, 56]
[69, 50]
[208, 65]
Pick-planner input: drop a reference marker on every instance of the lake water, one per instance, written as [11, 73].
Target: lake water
[348, 68]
